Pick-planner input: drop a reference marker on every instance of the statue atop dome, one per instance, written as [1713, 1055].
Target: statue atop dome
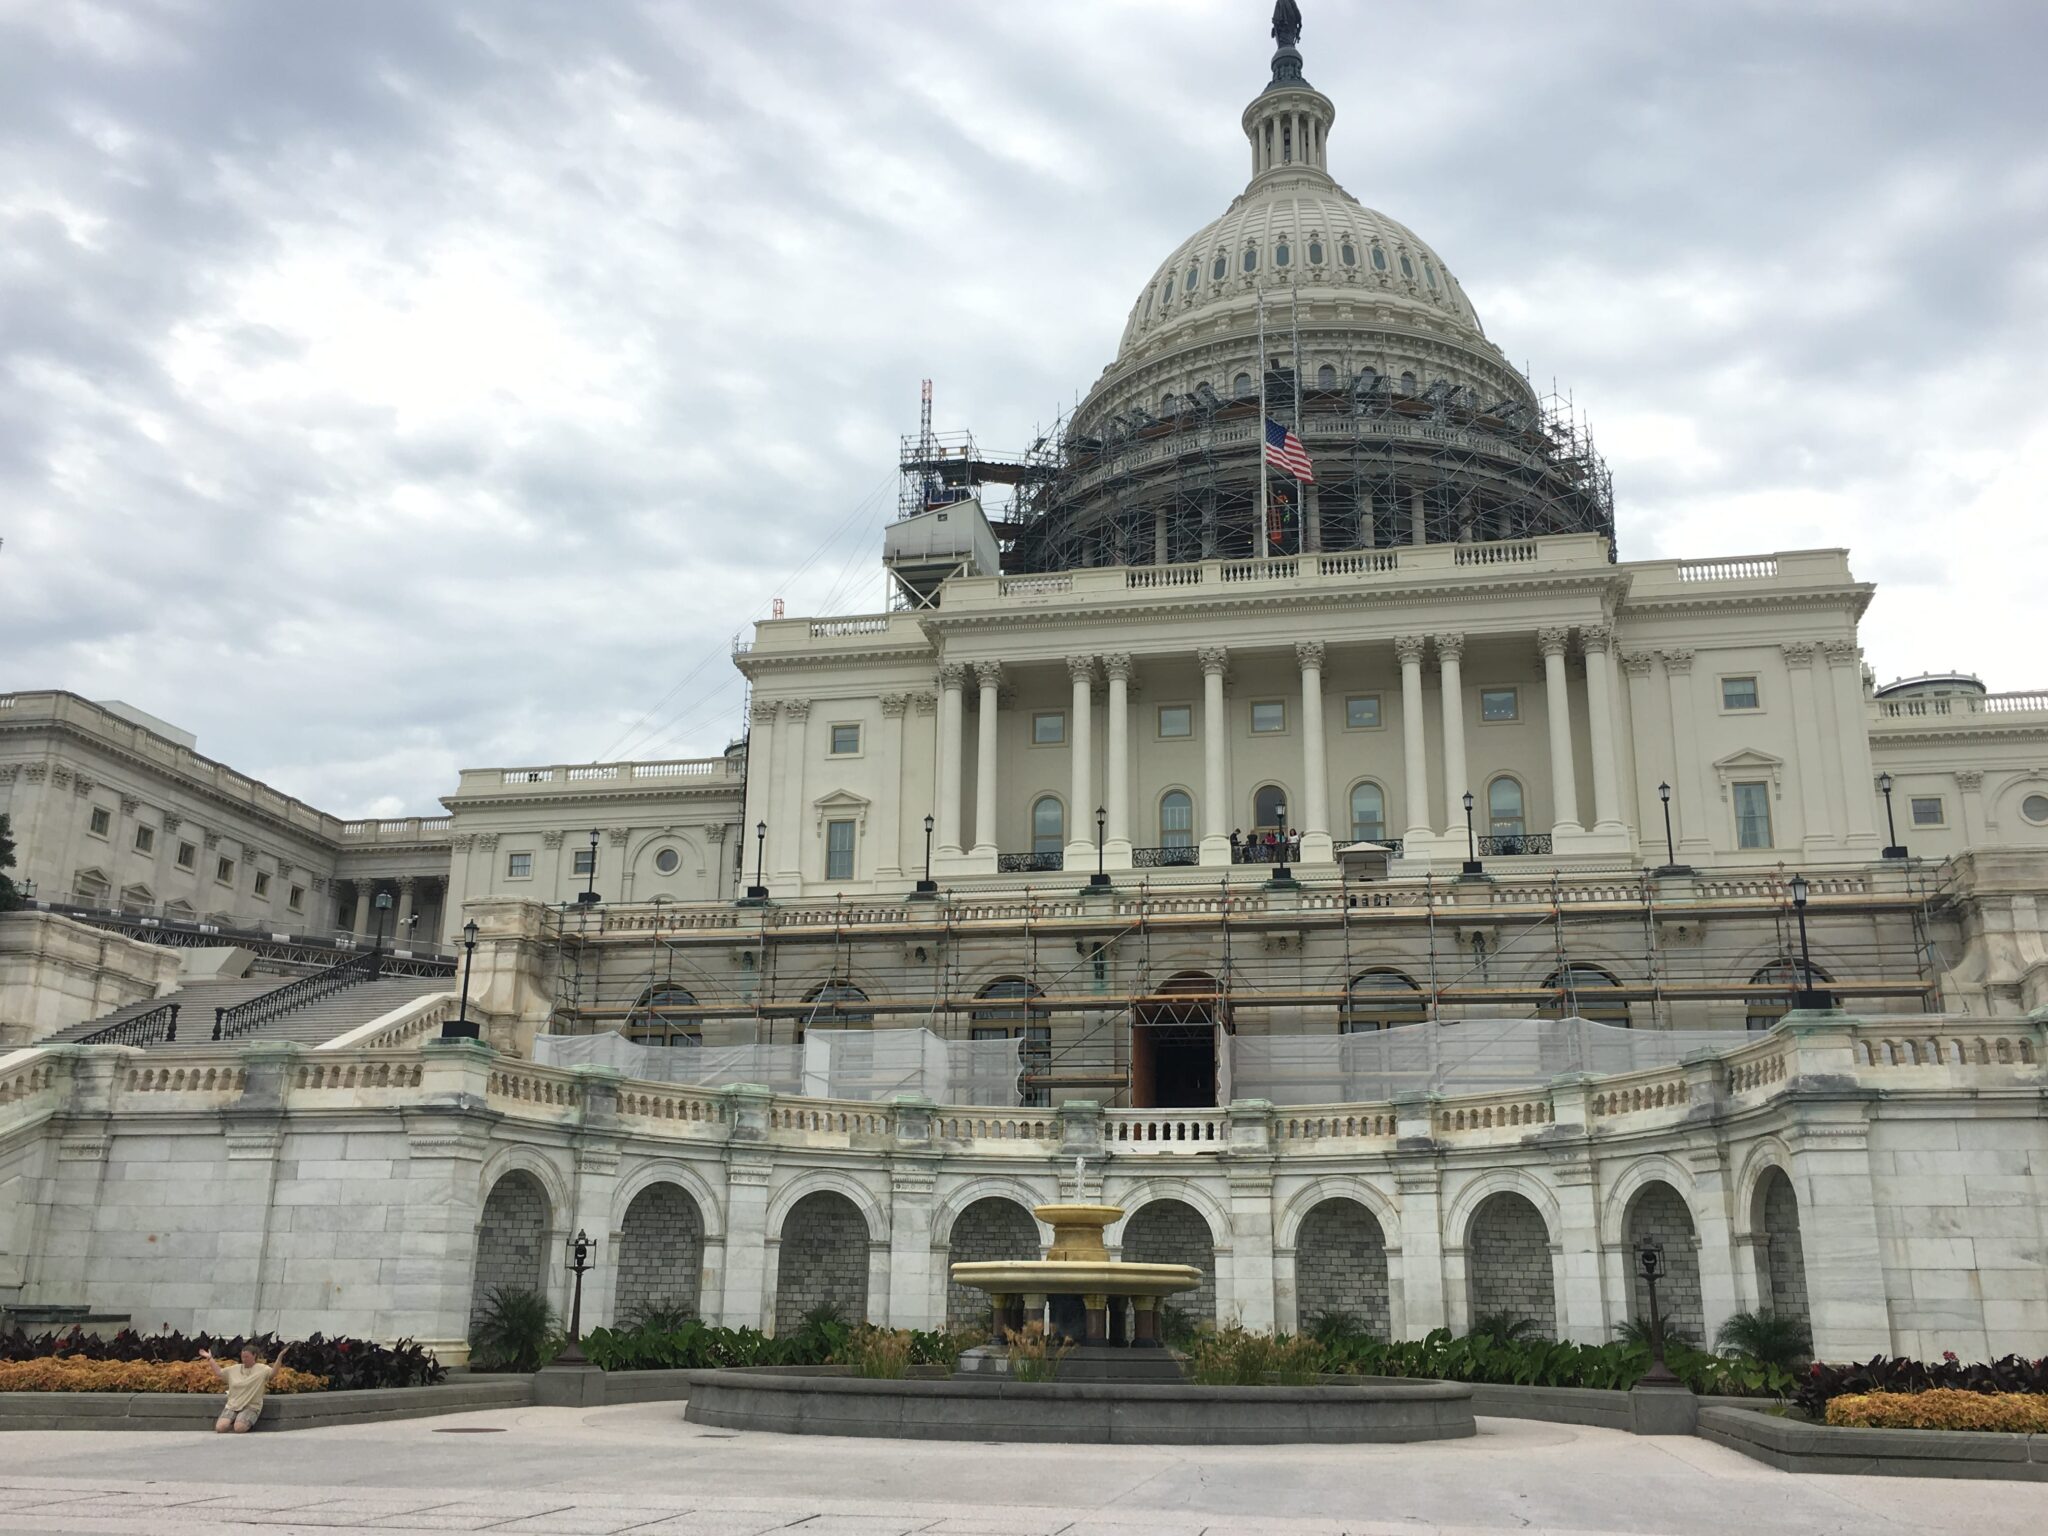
[1286, 23]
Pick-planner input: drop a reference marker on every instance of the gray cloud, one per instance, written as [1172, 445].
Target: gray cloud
[388, 387]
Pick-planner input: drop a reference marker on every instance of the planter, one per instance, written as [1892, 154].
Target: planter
[1794, 1445]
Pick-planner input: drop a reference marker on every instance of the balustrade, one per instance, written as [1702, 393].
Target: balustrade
[1164, 1131]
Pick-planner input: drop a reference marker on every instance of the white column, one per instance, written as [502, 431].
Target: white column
[1450, 652]
[1414, 746]
[1816, 825]
[1596, 641]
[989, 674]
[1317, 846]
[1215, 761]
[1970, 786]
[952, 678]
[1117, 668]
[894, 801]
[1081, 744]
[1852, 740]
[788, 836]
[401, 936]
[1564, 781]
[365, 896]
[1690, 803]
[760, 774]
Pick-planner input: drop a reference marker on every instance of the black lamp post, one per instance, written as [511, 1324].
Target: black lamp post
[1891, 827]
[459, 1027]
[588, 895]
[381, 904]
[1671, 864]
[1100, 879]
[580, 1262]
[1659, 1374]
[1472, 864]
[927, 886]
[757, 891]
[1806, 996]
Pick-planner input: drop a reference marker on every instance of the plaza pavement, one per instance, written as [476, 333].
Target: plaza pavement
[641, 1469]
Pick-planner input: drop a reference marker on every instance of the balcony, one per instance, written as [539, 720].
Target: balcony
[1030, 863]
[1509, 845]
[1166, 858]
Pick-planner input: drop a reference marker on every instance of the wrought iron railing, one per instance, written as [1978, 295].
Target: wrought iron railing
[159, 1026]
[1029, 863]
[1505, 845]
[1165, 858]
[243, 1017]
[1284, 851]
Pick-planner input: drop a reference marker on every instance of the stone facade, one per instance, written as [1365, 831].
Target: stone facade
[511, 1240]
[1340, 1266]
[1780, 1251]
[660, 1253]
[822, 1261]
[1510, 1263]
[987, 1230]
[1658, 1215]
[1174, 1232]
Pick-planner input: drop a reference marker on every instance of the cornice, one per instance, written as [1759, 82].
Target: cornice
[1951, 730]
[596, 795]
[754, 662]
[1855, 596]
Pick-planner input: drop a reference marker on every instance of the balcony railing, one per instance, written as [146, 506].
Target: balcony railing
[1165, 858]
[1251, 851]
[1508, 845]
[1029, 863]
[159, 1024]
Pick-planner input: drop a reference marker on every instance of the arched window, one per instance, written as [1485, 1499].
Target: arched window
[1241, 386]
[1407, 267]
[1147, 312]
[1407, 383]
[654, 1022]
[1315, 253]
[1586, 992]
[1785, 978]
[1504, 808]
[1048, 825]
[1326, 377]
[1368, 814]
[1429, 274]
[1221, 269]
[1194, 277]
[1379, 259]
[1380, 999]
[1282, 254]
[1166, 293]
[829, 1000]
[1176, 819]
[1269, 809]
[1348, 254]
[1251, 258]
[1009, 1019]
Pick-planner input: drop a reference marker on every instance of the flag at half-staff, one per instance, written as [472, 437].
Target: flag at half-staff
[1284, 452]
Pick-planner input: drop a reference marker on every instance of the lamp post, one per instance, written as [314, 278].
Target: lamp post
[1891, 827]
[1806, 996]
[1100, 879]
[1472, 864]
[927, 886]
[1671, 864]
[757, 891]
[1659, 1374]
[588, 895]
[459, 1027]
[580, 1262]
[381, 903]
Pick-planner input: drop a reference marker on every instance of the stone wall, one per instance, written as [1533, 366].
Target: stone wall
[55, 972]
[1781, 1256]
[988, 1229]
[1340, 1265]
[1658, 1215]
[510, 1240]
[1508, 1254]
[660, 1254]
[823, 1261]
[1173, 1232]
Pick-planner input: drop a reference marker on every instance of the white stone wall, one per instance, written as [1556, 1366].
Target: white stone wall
[55, 973]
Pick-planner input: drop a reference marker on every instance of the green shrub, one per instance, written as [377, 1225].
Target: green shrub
[880, 1354]
[1772, 1337]
[515, 1331]
[1637, 1331]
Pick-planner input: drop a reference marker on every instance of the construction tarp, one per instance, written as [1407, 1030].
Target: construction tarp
[871, 1065]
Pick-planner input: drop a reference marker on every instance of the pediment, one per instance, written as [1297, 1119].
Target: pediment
[1748, 765]
[841, 805]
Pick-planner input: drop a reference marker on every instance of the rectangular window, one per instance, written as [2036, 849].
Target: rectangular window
[188, 856]
[1739, 693]
[1752, 815]
[838, 850]
[1362, 712]
[518, 866]
[297, 899]
[1927, 811]
[1049, 729]
[845, 740]
[102, 820]
[262, 885]
[1499, 704]
[1268, 716]
[585, 861]
[1176, 720]
[224, 871]
[145, 839]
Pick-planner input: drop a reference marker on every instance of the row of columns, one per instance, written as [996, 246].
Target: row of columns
[364, 920]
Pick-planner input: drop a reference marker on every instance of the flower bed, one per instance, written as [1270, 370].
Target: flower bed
[2024, 1413]
[1883, 1374]
[342, 1365]
[70, 1373]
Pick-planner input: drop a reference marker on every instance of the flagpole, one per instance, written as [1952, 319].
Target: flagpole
[1259, 526]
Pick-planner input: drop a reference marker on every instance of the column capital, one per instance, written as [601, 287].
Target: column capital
[952, 675]
[1116, 666]
[1638, 663]
[1215, 660]
[552, 839]
[1595, 638]
[1969, 780]
[1842, 653]
[765, 710]
[798, 710]
[894, 704]
[1678, 662]
[989, 674]
[1450, 647]
[925, 703]
[1081, 669]
[1553, 640]
[130, 805]
[172, 822]
[616, 836]
[1799, 653]
[1309, 654]
[1409, 648]
[406, 882]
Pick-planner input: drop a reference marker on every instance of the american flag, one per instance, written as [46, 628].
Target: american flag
[1284, 452]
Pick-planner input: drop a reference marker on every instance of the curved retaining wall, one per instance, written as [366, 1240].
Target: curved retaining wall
[1034, 1412]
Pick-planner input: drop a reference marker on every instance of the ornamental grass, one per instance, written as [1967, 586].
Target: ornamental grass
[74, 1373]
[2023, 1413]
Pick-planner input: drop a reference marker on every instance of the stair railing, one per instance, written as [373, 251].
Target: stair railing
[158, 1026]
[261, 1009]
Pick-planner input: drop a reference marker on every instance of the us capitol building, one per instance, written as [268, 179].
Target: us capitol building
[1400, 903]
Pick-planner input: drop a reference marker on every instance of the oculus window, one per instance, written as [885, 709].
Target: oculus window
[2035, 808]
[1176, 720]
[1739, 693]
[1752, 815]
[667, 861]
[1049, 729]
[1499, 705]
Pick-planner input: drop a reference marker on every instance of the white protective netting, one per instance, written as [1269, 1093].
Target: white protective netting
[1451, 1056]
[873, 1065]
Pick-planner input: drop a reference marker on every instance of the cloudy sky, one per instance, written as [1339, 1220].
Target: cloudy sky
[393, 385]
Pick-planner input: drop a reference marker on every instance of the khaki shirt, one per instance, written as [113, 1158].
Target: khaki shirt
[246, 1386]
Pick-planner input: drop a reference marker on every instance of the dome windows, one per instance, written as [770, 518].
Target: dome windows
[1222, 268]
[1241, 387]
[1379, 259]
[1348, 254]
[1315, 253]
[1251, 258]
[1282, 254]
[1326, 377]
[1429, 275]
[1166, 293]
[1407, 267]
[1194, 277]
